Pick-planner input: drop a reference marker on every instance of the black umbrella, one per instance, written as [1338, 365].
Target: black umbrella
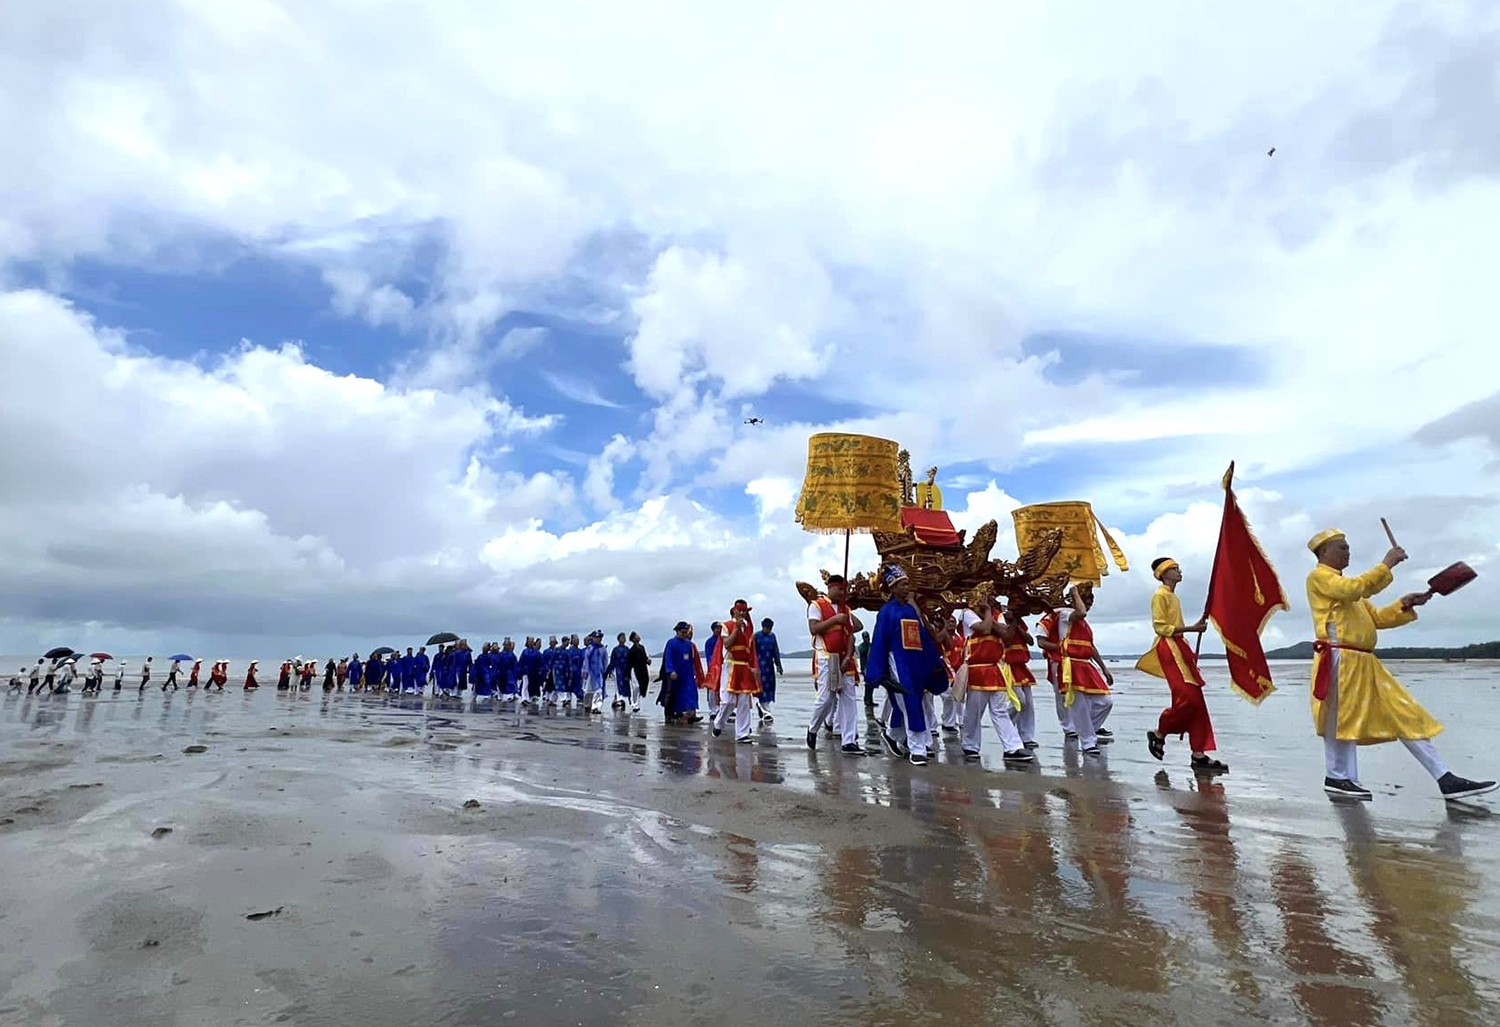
[382, 651]
[442, 638]
[58, 653]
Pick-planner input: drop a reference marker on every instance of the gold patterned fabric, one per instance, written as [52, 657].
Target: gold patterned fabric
[853, 483]
[1081, 557]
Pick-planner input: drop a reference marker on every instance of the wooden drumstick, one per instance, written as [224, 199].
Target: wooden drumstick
[1386, 525]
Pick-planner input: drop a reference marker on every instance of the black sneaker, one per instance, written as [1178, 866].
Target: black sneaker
[1092, 750]
[718, 731]
[1209, 765]
[971, 754]
[1033, 744]
[745, 741]
[828, 729]
[892, 746]
[1105, 732]
[812, 738]
[948, 730]
[1340, 788]
[1455, 787]
[1019, 756]
[852, 749]
[917, 759]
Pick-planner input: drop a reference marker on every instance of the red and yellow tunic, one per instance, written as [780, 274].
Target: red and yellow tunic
[738, 649]
[956, 654]
[1017, 656]
[1171, 658]
[988, 671]
[1079, 673]
[1050, 627]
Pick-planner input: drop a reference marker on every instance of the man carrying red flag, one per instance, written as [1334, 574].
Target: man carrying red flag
[1171, 658]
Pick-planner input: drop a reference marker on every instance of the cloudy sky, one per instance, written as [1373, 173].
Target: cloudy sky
[331, 323]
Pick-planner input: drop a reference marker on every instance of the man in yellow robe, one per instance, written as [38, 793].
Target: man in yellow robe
[1355, 700]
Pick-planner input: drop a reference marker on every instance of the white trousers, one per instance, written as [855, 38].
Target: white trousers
[1342, 758]
[997, 706]
[1025, 717]
[929, 713]
[916, 741]
[953, 712]
[1089, 712]
[1064, 715]
[834, 685]
[740, 703]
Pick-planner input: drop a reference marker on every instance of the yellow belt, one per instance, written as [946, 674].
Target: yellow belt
[1010, 682]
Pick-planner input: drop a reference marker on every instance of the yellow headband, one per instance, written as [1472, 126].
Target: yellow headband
[1163, 567]
[1322, 538]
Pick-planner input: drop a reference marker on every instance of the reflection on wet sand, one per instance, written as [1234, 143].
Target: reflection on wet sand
[618, 870]
[1331, 983]
[1416, 899]
[1220, 890]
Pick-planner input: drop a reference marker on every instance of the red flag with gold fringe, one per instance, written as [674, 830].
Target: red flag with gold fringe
[1243, 593]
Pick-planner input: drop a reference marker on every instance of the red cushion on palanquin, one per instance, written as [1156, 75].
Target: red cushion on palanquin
[930, 527]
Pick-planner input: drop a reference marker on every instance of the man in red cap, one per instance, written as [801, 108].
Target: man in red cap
[735, 664]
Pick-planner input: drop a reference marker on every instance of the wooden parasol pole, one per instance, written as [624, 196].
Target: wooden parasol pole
[1208, 599]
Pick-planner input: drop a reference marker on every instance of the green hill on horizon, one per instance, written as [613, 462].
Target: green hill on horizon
[1476, 651]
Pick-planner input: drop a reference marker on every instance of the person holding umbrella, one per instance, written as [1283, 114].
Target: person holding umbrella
[172, 674]
[94, 680]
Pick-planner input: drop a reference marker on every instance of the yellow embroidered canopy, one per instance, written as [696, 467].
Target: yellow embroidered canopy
[1081, 557]
[853, 483]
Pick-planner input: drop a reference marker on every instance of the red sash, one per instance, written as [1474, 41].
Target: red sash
[1323, 675]
[835, 640]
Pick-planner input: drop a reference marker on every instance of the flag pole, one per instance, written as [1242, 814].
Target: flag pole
[1208, 599]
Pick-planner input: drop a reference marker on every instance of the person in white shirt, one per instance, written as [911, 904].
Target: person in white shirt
[833, 628]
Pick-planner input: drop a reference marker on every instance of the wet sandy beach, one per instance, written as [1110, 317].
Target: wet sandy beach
[616, 870]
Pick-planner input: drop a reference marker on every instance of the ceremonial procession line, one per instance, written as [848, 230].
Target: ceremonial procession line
[936, 677]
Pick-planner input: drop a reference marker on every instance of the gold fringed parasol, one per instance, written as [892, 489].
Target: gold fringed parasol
[1081, 557]
[853, 483]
